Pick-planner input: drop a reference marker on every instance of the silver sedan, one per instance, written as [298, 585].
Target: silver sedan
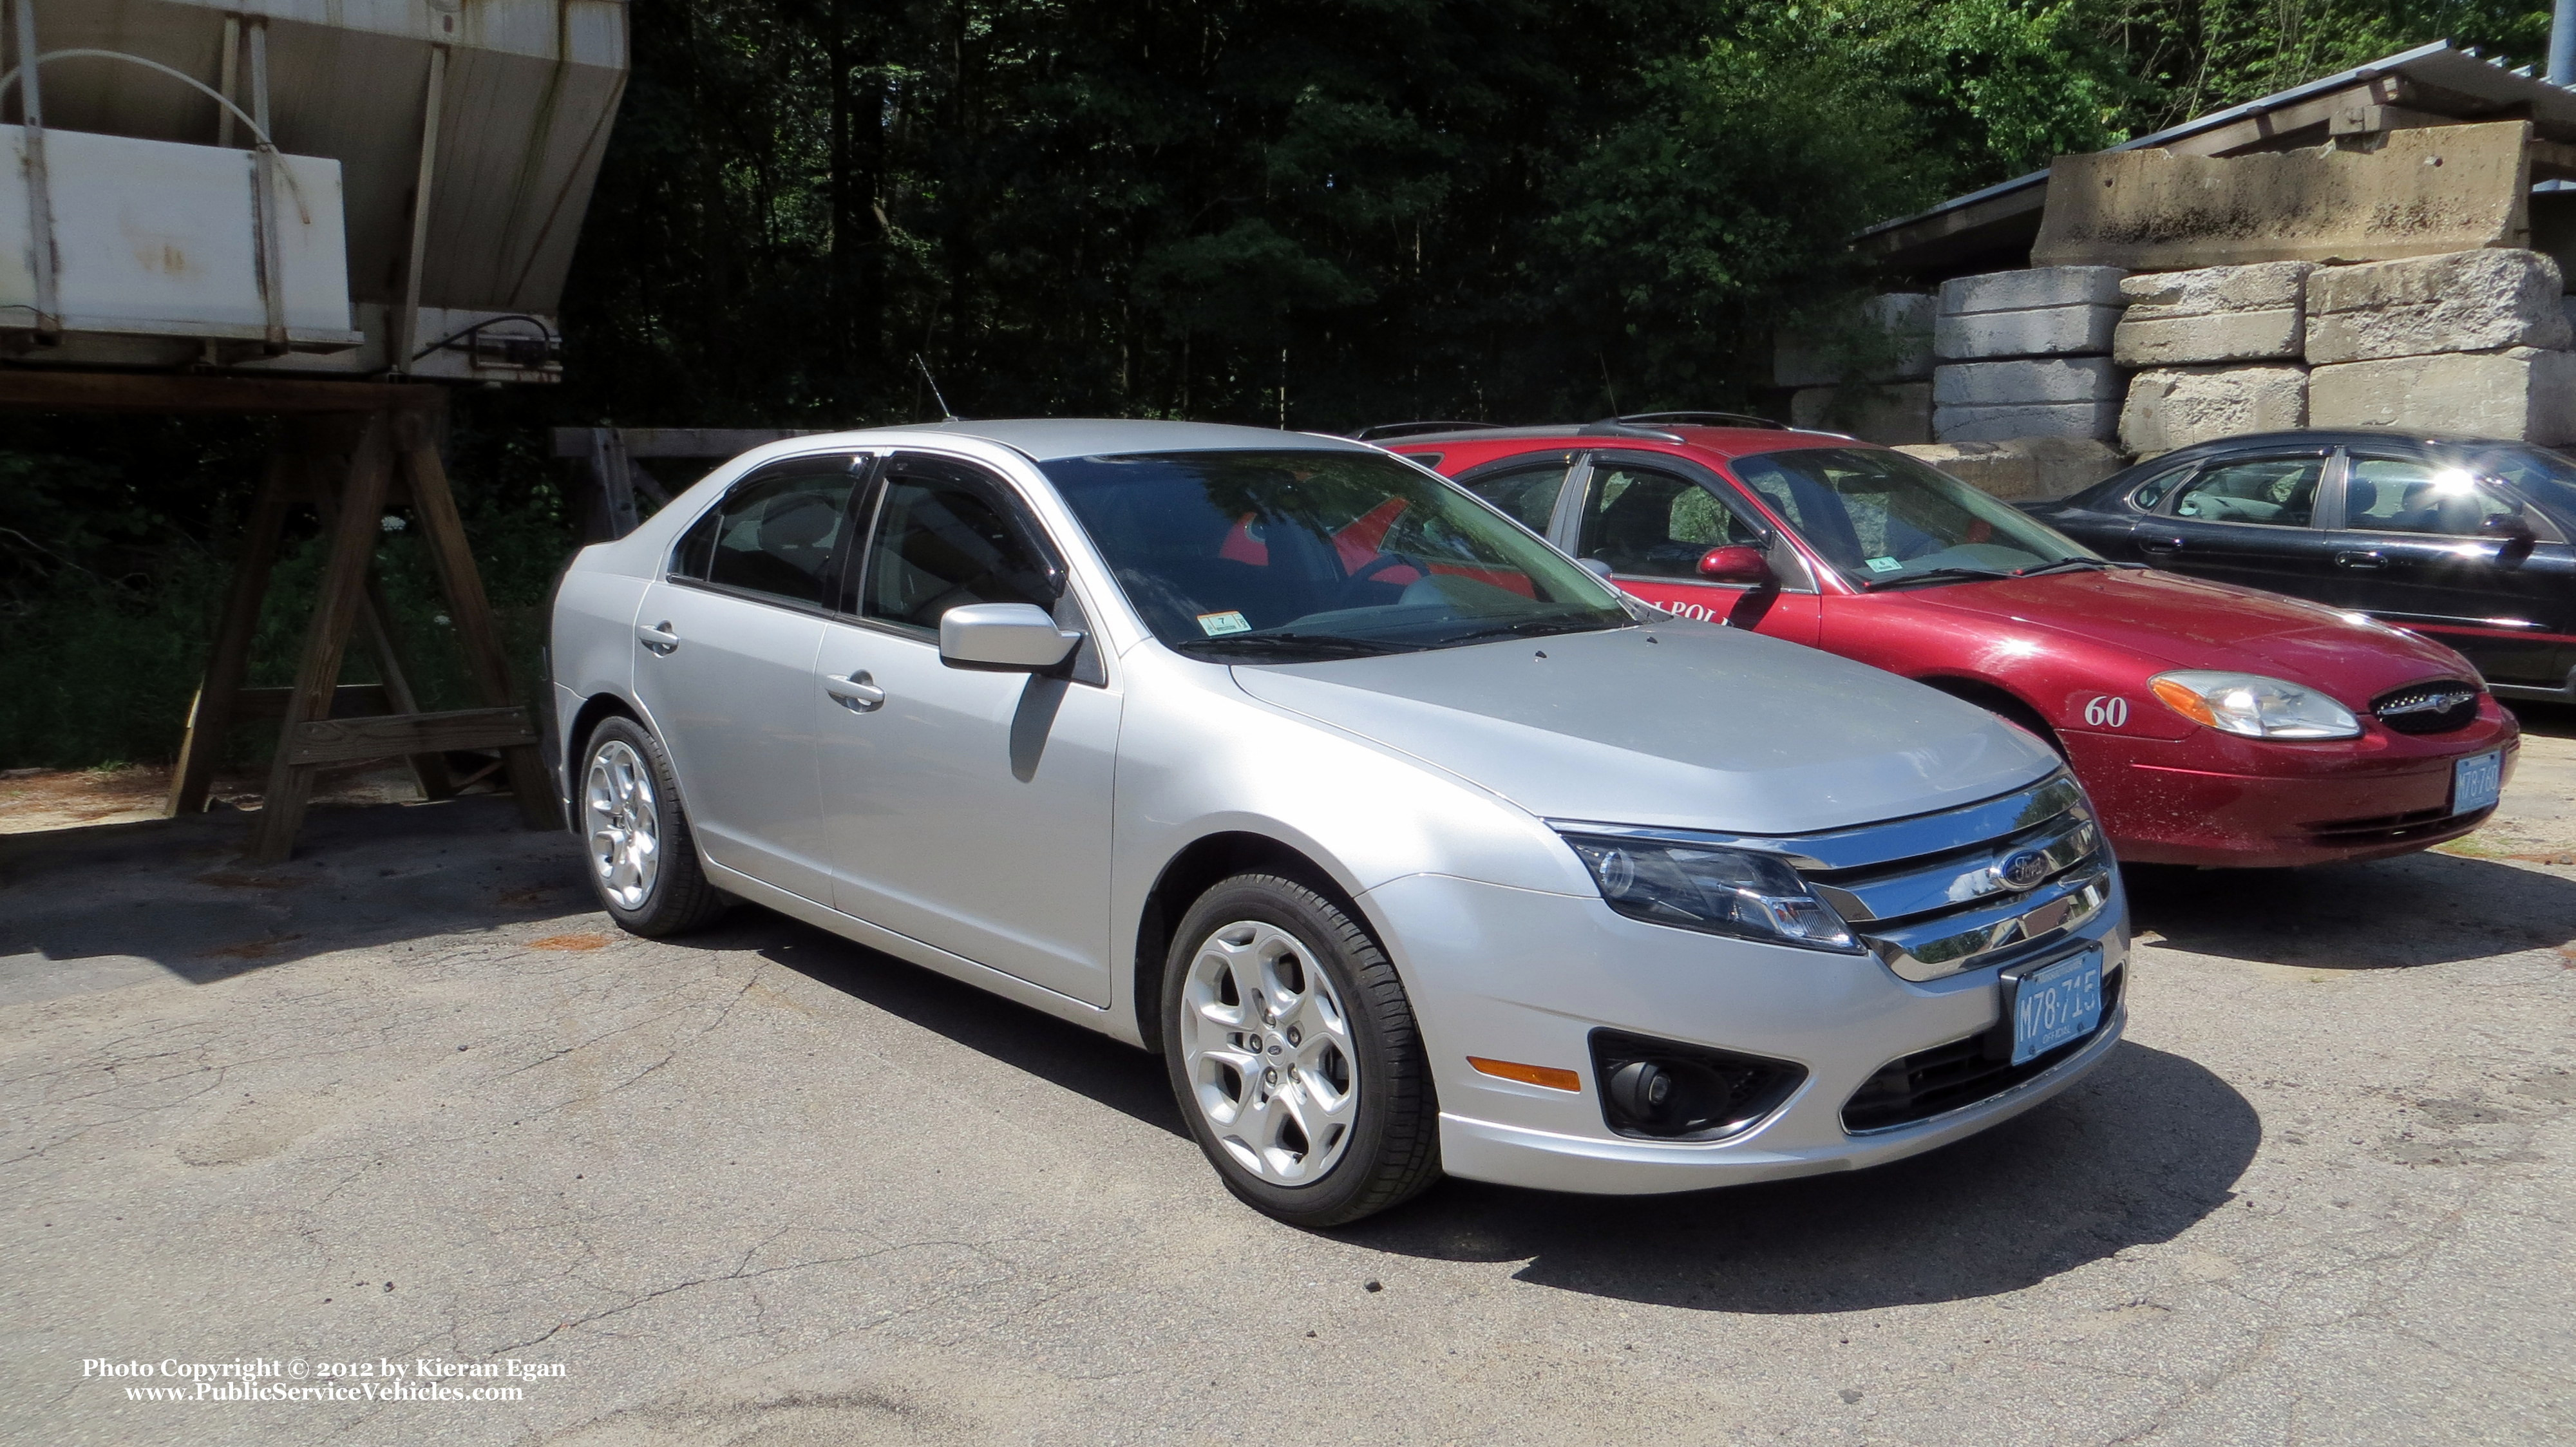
[1406, 842]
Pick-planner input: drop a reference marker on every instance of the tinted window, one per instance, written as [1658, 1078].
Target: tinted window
[2147, 494]
[2277, 491]
[1527, 493]
[1295, 555]
[774, 533]
[2390, 495]
[945, 537]
[1652, 524]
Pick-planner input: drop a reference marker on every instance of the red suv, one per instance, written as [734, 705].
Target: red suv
[2212, 724]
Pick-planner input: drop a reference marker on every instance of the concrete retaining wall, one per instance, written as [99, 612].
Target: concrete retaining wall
[2024, 467]
[1887, 338]
[2214, 314]
[1890, 412]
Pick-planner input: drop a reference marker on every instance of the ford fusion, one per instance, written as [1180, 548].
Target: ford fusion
[1409, 844]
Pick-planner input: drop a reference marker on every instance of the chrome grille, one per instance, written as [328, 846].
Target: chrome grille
[1941, 893]
[2428, 708]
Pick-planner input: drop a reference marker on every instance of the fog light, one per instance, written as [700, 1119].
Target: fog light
[1666, 1090]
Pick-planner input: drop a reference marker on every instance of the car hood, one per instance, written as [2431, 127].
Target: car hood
[2186, 622]
[1680, 725]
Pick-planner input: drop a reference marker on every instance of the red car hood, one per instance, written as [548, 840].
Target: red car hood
[2194, 623]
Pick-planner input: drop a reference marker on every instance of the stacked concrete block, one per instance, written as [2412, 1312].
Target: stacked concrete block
[1990, 336]
[2254, 313]
[2463, 301]
[2172, 407]
[2471, 343]
[2028, 467]
[1869, 375]
[2522, 392]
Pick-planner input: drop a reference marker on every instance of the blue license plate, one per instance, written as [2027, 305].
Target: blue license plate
[2060, 1003]
[2476, 783]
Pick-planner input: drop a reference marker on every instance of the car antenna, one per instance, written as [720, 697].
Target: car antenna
[944, 414]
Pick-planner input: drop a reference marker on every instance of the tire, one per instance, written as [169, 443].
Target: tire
[625, 793]
[1374, 1108]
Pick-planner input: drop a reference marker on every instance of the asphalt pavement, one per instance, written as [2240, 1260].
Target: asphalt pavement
[408, 1102]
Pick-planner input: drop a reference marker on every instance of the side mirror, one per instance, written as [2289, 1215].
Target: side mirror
[2508, 528]
[1597, 568]
[1003, 635]
[1736, 563]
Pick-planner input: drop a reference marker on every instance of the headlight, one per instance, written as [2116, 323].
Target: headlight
[2255, 706]
[1714, 890]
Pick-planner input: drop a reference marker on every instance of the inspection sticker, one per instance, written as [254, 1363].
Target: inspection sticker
[1884, 565]
[1217, 625]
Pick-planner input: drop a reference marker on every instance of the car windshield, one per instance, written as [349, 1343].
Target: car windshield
[1883, 519]
[1293, 556]
[2536, 472]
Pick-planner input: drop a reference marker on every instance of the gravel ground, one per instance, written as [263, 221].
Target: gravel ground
[407, 1097]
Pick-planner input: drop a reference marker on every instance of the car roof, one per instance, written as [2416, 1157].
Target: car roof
[2322, 437]
[1045, 439]
[1725, 442]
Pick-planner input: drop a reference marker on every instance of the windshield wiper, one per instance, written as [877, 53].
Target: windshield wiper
[1531, 628]
[1311, 645]
[1935, 575]
[2036, 569]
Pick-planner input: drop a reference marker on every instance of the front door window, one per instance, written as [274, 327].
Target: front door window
[1647, 523]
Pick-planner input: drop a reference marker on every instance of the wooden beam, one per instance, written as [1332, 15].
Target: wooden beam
[2552, 160]
[44, 389]
[335, 612]
[678, 441]
[470, 609]
[345, 740]
[211, 716]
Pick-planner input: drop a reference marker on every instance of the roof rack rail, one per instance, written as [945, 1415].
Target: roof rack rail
[1706, 419]
[1624, 427]
[1385, 430]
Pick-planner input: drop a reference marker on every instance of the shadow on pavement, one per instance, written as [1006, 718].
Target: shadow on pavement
[2421, 909]
[99, 912]
[2553, 720]
[2145, 1147]
[1117, 1075]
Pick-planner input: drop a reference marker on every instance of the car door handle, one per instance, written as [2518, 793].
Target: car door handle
[2361, 559]
[2160, 547]
[858, 693]
[658, 637]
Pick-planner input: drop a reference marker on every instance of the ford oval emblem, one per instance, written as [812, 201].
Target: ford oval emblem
[2022, 869]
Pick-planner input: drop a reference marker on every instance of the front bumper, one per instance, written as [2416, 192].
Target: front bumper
[2216, 800]
[1518, 975]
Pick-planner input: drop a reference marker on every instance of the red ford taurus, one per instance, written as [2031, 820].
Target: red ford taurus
[2212, 724]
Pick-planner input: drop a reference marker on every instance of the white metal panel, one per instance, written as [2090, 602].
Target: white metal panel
[159, 238]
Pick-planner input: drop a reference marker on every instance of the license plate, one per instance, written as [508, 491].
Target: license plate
[2476, 783]
[2060, 1003]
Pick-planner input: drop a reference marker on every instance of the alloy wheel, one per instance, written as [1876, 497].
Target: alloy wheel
[622, 819]
[1267, 1048]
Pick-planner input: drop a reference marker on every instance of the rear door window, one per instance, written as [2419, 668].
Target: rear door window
[1527, 493]
[2271, 491]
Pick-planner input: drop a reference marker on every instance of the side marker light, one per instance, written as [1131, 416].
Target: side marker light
[1544, 1075]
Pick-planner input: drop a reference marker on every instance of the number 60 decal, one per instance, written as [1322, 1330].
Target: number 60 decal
[2108, 711]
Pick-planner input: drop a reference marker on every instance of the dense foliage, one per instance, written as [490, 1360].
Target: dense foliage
[1312, 213]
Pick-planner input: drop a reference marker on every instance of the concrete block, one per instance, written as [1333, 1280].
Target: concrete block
[2056, 331]
[2030, 287]
[1887, 338]
[2523, 394]
[2466, 301]
[2034, 379]
[2214, 314]
[2024, 467]
[2419, 193]
[2177, 407]
[2097, 420]
[1890, 412]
